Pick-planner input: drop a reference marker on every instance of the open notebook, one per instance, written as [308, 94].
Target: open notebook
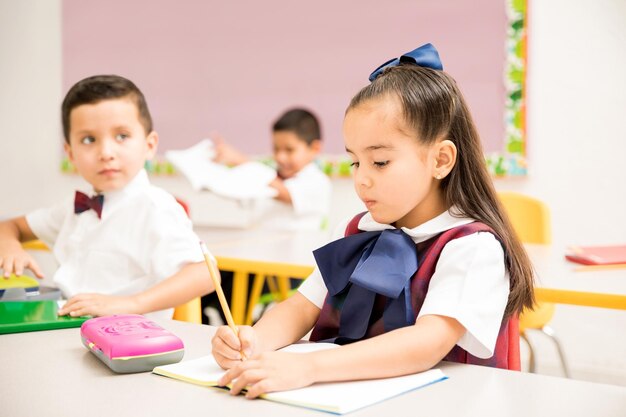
[337, 397]
[243, 182]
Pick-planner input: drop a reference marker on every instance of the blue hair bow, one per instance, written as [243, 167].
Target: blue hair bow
[424, 56]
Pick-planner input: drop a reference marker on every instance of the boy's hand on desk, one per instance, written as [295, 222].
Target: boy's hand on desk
[14, 259]
[269, 371]
[99, 305]
[227, 347]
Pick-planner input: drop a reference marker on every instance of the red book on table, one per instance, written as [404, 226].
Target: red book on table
[597, 255]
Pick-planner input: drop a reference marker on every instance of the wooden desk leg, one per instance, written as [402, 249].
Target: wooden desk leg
[272, 285]
[240, 292]
[284, 286]
[255, 295]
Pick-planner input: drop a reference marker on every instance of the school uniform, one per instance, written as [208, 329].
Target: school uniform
[469, 281]
[310, 191]
[142, 238]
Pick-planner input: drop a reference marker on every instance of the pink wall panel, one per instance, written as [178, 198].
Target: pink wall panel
[234, 66]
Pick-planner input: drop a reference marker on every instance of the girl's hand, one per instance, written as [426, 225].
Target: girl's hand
[270, 371]
[227, 348]
[14, 259]
[99, 305]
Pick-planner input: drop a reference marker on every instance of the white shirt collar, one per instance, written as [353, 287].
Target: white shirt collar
[308, 167]
[135, 186]
[441, 223]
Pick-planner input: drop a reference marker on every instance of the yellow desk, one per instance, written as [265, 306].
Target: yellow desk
[558, 280]
[563, 282]
[242, 268]
[287, 254]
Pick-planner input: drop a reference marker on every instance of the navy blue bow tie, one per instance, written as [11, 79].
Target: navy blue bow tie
[82, 203]
[366, 264]
[424, 56]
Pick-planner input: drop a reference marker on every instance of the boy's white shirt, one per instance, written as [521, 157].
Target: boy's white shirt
[143, 237]
[470, 283]
[310, 190]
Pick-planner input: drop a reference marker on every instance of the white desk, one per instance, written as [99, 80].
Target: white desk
[51, 373]
[262, 245]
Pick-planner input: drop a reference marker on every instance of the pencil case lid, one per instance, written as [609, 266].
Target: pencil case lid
[128, 336]
[29, 284]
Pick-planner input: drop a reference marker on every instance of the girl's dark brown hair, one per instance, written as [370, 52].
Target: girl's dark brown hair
[435, 109]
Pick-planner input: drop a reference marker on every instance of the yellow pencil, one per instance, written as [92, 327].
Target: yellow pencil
[599, 267]
[218, 289]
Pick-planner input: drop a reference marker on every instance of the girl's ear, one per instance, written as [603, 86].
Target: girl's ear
[445, 158]
[152, 142]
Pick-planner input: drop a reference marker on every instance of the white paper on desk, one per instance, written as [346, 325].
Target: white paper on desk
[246, 181]
[345, 397]
[336, 397]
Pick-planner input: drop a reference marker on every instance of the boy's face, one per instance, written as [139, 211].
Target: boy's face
[108, 144]
[292, 153]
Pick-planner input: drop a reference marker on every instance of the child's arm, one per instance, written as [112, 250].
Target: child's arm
[403, 351]
[13, 258]
[227, 154]
[283, 193]
[282, 325]
[190, 282]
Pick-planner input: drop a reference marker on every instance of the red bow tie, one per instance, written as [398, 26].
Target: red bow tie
[83, 203]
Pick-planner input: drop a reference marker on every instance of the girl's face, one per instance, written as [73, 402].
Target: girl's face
[393, 172]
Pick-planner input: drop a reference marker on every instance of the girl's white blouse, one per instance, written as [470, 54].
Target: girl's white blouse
[470, 283]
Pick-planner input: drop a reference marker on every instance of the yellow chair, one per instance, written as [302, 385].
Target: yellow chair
[191, 311]
[277, 275]
[531, 221]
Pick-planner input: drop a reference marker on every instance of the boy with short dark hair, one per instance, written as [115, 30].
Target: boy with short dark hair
[304, 191]
[129, 248]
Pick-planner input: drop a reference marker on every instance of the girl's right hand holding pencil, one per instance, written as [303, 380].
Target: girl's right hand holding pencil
[230, 349]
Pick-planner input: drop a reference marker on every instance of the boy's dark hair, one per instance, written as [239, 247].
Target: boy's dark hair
[93, 89]
[301, 122]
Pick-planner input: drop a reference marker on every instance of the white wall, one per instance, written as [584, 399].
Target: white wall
[576, 112]
[577, 146]
[30, 97]
[577, 107]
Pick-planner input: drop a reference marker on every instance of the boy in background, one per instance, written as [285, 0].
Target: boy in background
[130, 247]
[303, 190]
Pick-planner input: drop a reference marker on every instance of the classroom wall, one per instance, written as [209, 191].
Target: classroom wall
[30, 87]
[576, 142]
[235, 66]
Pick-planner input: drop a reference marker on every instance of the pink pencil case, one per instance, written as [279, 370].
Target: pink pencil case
[131, 343]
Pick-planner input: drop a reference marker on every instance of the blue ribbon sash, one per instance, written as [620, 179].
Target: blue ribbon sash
[358, 267]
